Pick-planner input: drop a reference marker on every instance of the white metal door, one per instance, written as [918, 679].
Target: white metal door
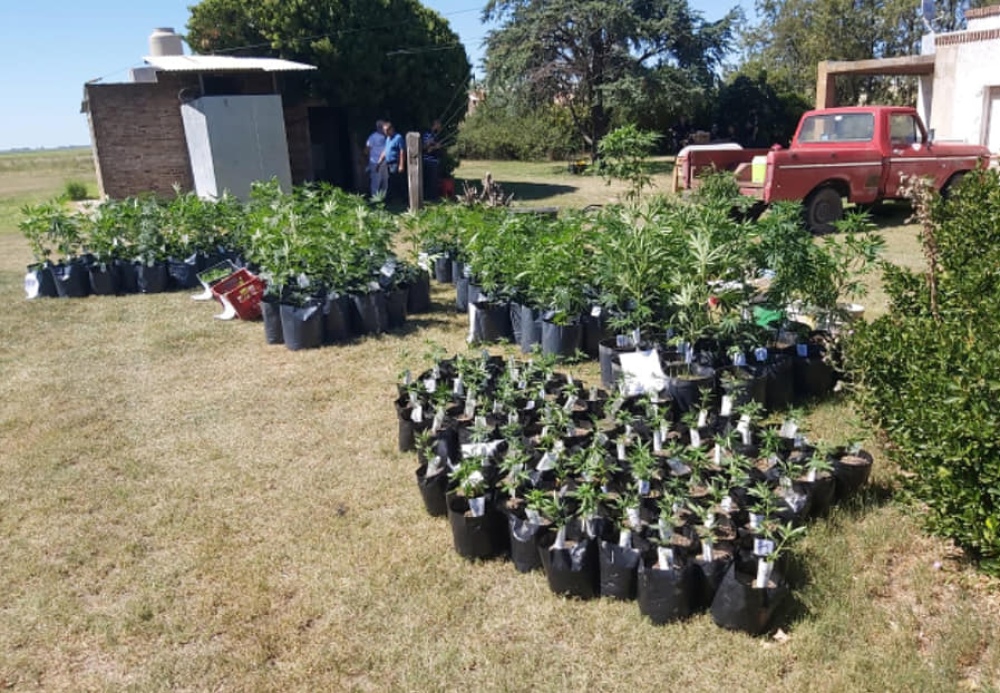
[993, 121]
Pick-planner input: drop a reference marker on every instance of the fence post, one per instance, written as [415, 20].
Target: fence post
[415, 170]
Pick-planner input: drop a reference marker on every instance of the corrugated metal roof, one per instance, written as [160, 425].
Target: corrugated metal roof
[222, 63]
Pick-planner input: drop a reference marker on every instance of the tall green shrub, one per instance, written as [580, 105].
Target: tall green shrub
[930, 378]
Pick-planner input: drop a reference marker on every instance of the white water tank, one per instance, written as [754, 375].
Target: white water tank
[163, 41]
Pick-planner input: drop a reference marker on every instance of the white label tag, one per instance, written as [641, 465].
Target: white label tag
[457, 387]
[717, 455]
[665, 558]
[703, 418]
[434, 467]
[414, 401]
[642, 487]
[430, 384]
[548, 461]
[512, 417]
[595, 312]
[417, 415]
[657, 441]
[726, 409]
[788, 429]
[763, 547]
[620, 446]
[570, 403]
[388, 269]
[739, 359]
[760, 353]
[497, 407]
[31, 285]
[530, 405]
[633, 517]
[726, 504]
[480, 422]
[811, 475]
[695, 438]
[438, 421]
[374, 286]
[678, 467]
[802, 350]
[636, 337]
[470, 407]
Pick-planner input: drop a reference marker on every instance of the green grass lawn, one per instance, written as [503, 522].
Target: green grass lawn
[183, 507]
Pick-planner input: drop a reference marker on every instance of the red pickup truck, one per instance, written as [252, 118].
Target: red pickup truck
[857, 153]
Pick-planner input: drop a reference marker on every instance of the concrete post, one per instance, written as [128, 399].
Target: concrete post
[415, 170]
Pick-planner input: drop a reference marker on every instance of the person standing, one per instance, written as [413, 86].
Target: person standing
[378, 172]
[395, 159]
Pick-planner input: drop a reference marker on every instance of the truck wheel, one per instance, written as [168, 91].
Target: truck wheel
[823, 207]
[949, 188]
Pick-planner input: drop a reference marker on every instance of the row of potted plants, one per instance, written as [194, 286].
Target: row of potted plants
[667, 269]
[625, 497]
[326, 256]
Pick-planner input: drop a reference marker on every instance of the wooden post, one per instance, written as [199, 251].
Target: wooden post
[415, 170]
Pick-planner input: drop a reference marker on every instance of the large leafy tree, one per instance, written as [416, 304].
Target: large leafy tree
[375, 57]
[608, 61]
[793, 36]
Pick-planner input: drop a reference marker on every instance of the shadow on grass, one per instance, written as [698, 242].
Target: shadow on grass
[522, 190]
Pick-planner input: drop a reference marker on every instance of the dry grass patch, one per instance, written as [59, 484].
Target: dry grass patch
[185, 508]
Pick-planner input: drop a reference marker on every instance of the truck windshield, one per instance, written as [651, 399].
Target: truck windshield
[838, 127]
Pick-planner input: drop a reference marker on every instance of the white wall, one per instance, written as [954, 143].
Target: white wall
[234, 141]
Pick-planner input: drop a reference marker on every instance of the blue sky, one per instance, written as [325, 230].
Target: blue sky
[49, 48]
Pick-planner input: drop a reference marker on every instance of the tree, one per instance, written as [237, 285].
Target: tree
[375, 57]
[608, 61]
[793, 36]
[757, 112]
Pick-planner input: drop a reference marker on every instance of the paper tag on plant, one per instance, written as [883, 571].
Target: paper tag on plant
[480, 421]
[417, 415]
[414, 400]
[811, 475]
[636, 337]
[706, 551]
[303, 281]
[760, 353]
[548, 461]
[678, 467]
[695, 438]
[31, 285]
[788, 429]
[620, 449]
[430, 384]
[756, 520]
[664, 558]
[802, 350]
[424, 261]
[763, 547]
[621, 341]
[633, 517]
[374, 286]
[470, 407]
[703, 418]
[388, 269]
[717, 455]
[657, 441]
[434, 467]
[436, 371]
[477, 506]
[726, 504]
[512, 417]
[407, 378]
[438, 421]
[458, 387]
[532, 516]
[764, 569]
[497, 406]
[739, 359]
[726, 408]
[642, 487]
[570, 403]
[625, 539]
[529, 405]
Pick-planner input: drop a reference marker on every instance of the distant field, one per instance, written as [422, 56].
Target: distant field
[31, 177]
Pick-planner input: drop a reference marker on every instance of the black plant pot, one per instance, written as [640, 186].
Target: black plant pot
[433, 491]
[45, 283]
[607, 350]
[302, 326]
[474, 537]
[618, 568]
[71, 279]
[370, 314]
[462, 294]
[665, 595]
[418, 300]
[184, 273]
[572, 571]
[442, 269]
[129, 275]
[395, 304]
[743, 387]
[529, 322]
[822, 492]
[687, 389]
[151, 279]
[779, 374]
[524, 544]
[708, 577]
[491, 322]
[336, 319]
[738, 605]
[595, 331]
[561, 341]
[813, 377]
[851, 472]
[457, 271]
[105, 278]
[270, 312]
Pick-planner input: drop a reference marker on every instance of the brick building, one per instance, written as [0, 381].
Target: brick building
[209, 123]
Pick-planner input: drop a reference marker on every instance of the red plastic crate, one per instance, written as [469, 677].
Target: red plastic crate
[242, 290]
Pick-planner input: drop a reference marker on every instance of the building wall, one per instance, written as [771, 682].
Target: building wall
[138, 133]
[964, 71]
[138, 136]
